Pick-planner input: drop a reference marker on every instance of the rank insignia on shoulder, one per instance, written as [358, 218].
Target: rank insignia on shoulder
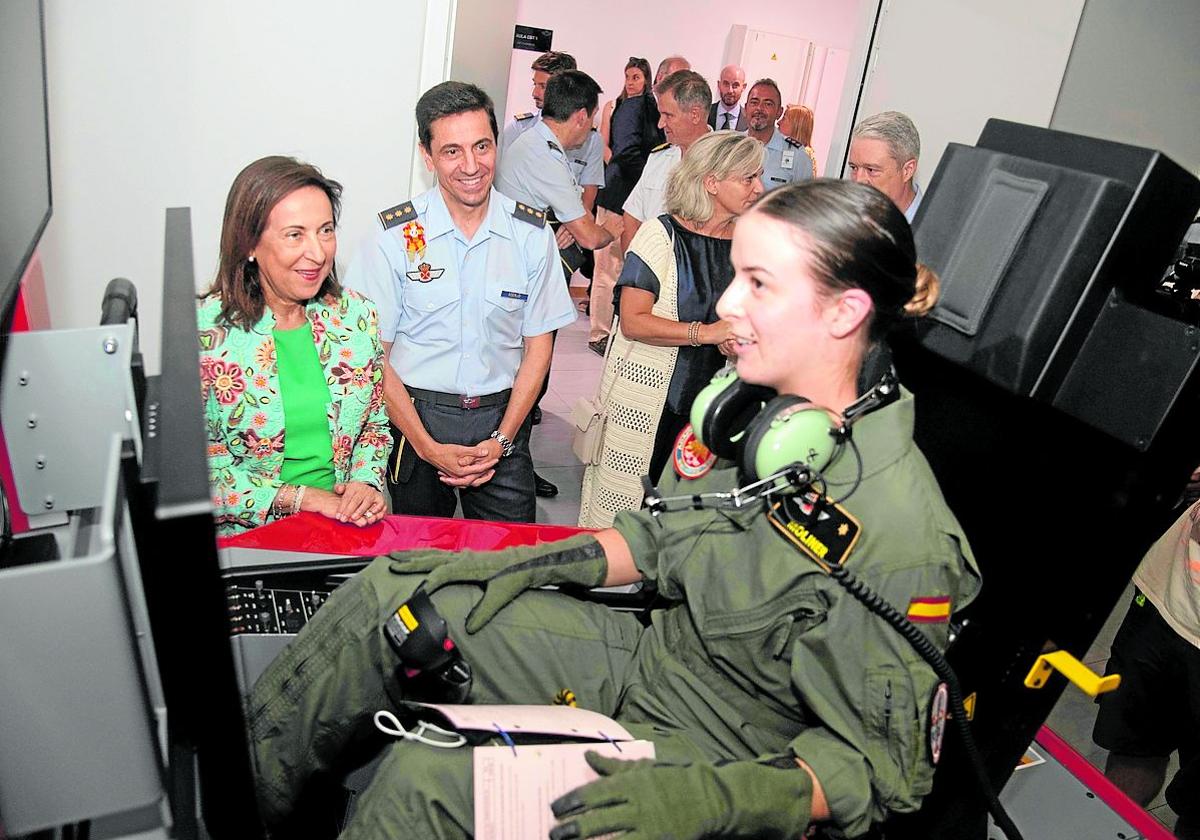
[526, 116]
[792, 142]
[660, 147]
[398, 215]
[424, 273]
[692, 459]
[527, 214]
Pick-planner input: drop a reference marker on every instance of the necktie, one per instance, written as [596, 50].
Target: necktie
[725, 125]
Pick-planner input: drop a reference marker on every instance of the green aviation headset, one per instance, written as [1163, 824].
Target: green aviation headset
[765, 432]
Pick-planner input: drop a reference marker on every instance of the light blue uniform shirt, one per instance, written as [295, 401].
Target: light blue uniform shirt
[458, 315]
[786, 162]
[536, 171]
[586, 162]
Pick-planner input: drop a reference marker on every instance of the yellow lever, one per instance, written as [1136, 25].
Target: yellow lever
[1074, 670]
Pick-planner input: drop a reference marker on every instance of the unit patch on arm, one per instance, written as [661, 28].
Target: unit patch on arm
[692, 459]
[527, 214]
[397, 215]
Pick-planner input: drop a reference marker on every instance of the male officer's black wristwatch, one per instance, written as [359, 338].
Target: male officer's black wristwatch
[506, 445]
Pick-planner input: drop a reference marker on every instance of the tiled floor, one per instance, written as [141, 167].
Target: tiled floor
[576, 372]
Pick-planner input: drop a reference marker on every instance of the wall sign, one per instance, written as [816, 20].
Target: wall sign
[531, 38]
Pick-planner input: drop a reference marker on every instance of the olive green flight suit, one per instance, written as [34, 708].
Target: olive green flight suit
[757, 652]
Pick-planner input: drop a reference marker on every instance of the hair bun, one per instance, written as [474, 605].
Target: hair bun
[926, 294]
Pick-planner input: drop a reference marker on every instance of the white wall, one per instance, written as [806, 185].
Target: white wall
[1133, 74]
[159, 104]
[483, 46]
[951, 64]
[602, 37]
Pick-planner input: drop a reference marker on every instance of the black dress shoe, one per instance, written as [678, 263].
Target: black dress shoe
[544, 488]
[535, 416]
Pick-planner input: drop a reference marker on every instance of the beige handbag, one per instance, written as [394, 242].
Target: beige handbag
[589, 416]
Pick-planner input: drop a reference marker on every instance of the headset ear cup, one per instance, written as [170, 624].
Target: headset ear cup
[713, 392]
[723, 409]
[788, 430]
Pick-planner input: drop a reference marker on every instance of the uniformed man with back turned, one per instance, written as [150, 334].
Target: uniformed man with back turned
[587, 160]
[469, 290]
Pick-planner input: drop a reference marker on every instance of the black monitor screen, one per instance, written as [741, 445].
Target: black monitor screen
[24, 141]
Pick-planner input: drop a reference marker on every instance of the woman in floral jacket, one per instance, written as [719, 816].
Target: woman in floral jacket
[291, 364]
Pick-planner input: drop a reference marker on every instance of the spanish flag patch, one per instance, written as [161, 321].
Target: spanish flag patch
[929, 610]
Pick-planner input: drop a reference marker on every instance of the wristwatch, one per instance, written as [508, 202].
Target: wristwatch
[506, 445]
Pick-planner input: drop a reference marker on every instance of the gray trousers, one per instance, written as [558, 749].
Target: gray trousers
[416, 489]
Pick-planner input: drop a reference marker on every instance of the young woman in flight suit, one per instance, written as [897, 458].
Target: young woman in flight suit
[774, 699]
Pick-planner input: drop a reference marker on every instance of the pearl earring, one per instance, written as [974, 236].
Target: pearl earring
[250, 258]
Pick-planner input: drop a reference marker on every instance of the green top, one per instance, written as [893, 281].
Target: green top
[307, 446]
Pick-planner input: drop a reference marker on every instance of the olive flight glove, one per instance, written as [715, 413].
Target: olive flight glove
[506, 574]
[645, 800]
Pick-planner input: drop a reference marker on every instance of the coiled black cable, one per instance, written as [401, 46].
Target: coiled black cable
[925, 648]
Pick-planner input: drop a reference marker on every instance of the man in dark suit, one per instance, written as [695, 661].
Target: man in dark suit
[727, 111]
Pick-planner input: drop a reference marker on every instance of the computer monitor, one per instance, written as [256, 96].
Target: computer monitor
[25, 202]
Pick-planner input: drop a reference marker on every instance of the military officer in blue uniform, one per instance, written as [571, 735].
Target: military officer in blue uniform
[539, 170]
[469, 291]
[586, 161]
[787, 161]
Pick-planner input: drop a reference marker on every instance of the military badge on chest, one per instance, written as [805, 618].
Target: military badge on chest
[424, 273]
[818, 526]
[414, 240]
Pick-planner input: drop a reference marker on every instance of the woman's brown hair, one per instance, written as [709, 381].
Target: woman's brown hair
[255, 192]
[859, 239]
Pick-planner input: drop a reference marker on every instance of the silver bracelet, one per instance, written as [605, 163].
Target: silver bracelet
[299, 498]
[694, 333]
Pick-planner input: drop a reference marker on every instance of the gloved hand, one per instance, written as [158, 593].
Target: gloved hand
[506, 574]
[644, 800]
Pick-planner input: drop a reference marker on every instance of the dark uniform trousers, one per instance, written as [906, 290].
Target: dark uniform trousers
[416, 489]
[319, 697]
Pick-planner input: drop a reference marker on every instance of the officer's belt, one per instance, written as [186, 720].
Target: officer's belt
[459, 400]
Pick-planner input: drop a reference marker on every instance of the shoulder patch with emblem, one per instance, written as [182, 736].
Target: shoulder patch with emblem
[526, 116]
[691, 458]
[796, 143]
[660, 147]
[527, 214]
[398, 215]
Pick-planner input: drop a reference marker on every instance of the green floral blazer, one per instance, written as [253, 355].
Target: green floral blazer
[244, 413]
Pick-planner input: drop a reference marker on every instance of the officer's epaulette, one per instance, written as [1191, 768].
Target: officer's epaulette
[527, 214]
[397, 215]
[525, 116]
[660, 147]
[792, 142]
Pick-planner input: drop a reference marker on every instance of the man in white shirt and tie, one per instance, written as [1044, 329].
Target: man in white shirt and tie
[727, 111]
